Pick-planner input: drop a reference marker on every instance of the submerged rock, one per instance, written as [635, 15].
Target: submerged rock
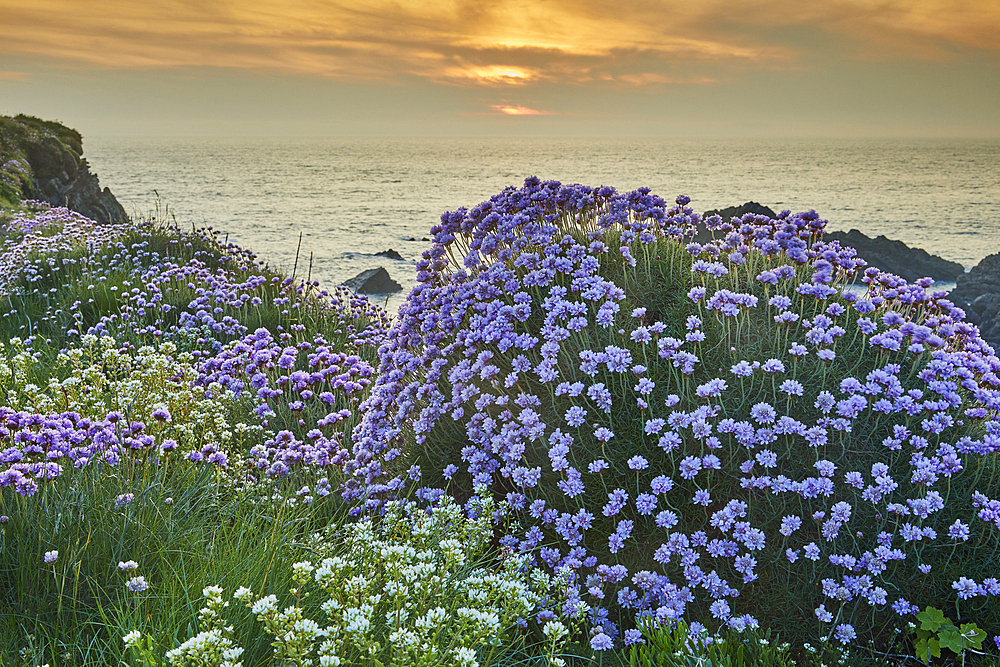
[390, 253]
[373, 281]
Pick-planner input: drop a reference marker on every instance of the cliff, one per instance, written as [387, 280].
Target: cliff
[44, 160]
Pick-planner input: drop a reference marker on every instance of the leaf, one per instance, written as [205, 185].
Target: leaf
[973, 635]
[950, 638]
[925, 649]
[932, 619]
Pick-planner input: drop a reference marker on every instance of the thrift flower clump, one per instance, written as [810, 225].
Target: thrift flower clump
[724, 431]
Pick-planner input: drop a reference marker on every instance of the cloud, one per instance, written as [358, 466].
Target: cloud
[499, 44]
[13, 76]
[518, 110]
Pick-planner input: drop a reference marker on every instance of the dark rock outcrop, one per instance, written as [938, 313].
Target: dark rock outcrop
[373, 281]
[886, 254]
[46, 162]
[739, 211]
[978, 293]
[896, 257]
[705, 235]
[390, 253]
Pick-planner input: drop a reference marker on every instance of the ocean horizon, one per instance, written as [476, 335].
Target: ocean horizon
[350, 198]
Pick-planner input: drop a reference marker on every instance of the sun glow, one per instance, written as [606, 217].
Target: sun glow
[518, 110]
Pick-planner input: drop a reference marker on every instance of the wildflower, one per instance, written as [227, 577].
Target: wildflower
[959, 531]
[845, 633]
[51, 556]
[792, 387]
[637, 463]
[127, 566]
[789, 525]
[601, 642]
[132, 638]
[137, 584]
[720, 609]
[966, 588]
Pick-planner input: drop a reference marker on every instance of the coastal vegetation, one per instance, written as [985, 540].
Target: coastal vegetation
[585, 439]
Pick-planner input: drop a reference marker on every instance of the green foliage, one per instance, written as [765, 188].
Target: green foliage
[937, 632]
[184, 528]
[677, 647]
[33, 150]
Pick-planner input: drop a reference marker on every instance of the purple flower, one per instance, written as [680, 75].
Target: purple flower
[661, 484]
[645, 503]
[597, 466]
[720, 609]
[638, 463]
[603, 434]
[666, 519]
[959, 531]
[50, 556]
[845, 633]
[696, 294]
[789, 525]
[763, 413]
[137, 584]
[792, 387]
[601, 642]
[966, 588]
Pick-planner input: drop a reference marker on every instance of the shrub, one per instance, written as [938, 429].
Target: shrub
[726, 432]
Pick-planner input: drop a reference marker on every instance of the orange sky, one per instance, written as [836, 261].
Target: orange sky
[919, 67]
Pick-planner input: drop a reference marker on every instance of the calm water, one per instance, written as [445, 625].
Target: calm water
[350, 198]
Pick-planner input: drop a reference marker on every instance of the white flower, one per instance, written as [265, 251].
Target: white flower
[127, 566]
[466, 657]
[356, 620]
[132, 638]
[212, 592]
[243, 593]
[308, 628]
[555, 630]
[404, 638]
[50, 556]
[264, 605]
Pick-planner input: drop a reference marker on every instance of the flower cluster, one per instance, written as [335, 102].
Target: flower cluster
[162, 284]
[691, 430]
[38, 230]
[408, 588]
[304, 393]
[213, 645]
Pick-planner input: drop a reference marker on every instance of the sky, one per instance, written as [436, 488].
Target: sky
[676, 68]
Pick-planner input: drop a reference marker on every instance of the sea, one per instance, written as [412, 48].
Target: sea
[323, 207]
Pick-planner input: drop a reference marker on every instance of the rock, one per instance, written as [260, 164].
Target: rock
[978, 293]
[739, 211]
[896, 257]
[48, 159]
[727, 214]
[390, 253]
[373, 281]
